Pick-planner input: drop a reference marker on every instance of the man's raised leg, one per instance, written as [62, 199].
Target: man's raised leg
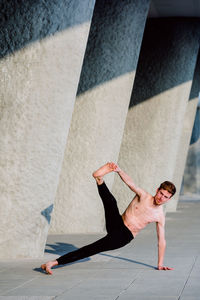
[98, 175]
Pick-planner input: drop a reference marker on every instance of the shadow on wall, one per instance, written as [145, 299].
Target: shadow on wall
[196, 128]
[114, 41]
[112, 47]
[24, 22]
[163, 63]
[47, 213]
[195, 92]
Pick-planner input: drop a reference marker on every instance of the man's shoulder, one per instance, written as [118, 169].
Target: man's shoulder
[146, 195]
[161, 215]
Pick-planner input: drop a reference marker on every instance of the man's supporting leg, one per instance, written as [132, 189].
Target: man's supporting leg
[114, 240]
[111, 241]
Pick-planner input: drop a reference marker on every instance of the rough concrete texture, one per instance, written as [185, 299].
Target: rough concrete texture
[144, 153]
[182, 151]
[37, 91]
[191, 179]
[25, 22]
[160, 94]
[100, 111]
[184, 142]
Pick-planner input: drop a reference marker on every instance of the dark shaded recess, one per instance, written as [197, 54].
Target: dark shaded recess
[114, 41]
[167, 58]
[26, 21]
[196, 80]
[193, 94]
[196, 128]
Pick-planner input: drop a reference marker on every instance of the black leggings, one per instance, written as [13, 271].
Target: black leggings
[118, 235]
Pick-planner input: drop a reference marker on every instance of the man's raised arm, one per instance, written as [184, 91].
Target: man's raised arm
[128, 180]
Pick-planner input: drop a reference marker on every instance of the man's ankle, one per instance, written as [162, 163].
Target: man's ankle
[99, 180]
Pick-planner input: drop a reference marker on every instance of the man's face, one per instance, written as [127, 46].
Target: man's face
[162, 196]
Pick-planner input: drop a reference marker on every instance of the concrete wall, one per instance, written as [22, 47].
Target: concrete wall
[191, 178]
[43, 44]
[100, 111]
[185, 140]
[158, 103]
[42, 49]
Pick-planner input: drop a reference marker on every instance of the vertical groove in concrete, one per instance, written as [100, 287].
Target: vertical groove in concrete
[159, 99]
[191, 178]
[100, 111]
[185, 137]
[39, 73]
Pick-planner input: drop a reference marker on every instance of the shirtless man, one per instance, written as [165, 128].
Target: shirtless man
[142, 210]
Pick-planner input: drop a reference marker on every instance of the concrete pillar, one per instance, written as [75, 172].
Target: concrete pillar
[191, 178]
[99, 115]
[158, 103]
[184, 142]
[43, 46]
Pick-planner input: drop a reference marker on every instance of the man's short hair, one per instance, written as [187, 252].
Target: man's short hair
[168, 186]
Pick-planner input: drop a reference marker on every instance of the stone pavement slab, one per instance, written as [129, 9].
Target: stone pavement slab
[122, 274]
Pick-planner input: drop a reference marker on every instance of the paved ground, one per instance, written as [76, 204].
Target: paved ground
[127, 273]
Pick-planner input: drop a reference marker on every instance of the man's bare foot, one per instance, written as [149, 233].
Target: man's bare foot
[105, 169]
[47, 267]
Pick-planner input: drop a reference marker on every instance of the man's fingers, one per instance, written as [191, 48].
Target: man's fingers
[112, 165]
[165, 268]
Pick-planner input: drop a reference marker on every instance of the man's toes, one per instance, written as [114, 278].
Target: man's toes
[48, 271]
[43, 267]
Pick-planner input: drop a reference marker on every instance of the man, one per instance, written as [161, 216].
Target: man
[142, 210]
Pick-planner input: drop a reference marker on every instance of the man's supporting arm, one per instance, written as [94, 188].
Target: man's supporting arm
[161, 245]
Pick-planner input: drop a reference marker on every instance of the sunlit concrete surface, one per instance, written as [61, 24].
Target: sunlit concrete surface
[161, 88]
[124, 274]
[182, 150]
[54, 64]
[38, 87]
[99, 113]
[146, 154]
[89, 147]
[191, 180]
[185, 138]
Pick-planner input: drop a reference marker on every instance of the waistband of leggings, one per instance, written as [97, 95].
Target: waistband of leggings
[128, 231]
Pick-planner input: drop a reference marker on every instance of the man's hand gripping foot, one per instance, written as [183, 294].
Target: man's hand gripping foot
[105, 169]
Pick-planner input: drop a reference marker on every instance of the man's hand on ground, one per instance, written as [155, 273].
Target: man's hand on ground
[164, 268]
